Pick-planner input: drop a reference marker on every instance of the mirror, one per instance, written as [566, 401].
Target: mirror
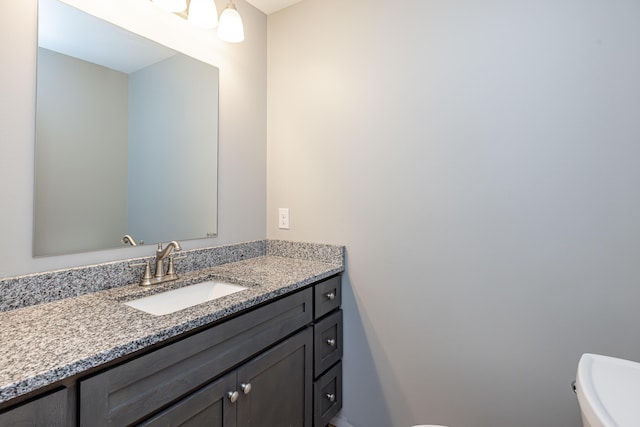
[126, 137]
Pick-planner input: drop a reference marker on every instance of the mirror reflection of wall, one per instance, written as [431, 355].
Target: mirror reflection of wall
[81, 178]
[120, 149]
[170, 150]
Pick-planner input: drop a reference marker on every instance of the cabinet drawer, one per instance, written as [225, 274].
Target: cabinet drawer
[327, 396]
[49, 410]
[327, 338]
[328, 296]
[127, 393]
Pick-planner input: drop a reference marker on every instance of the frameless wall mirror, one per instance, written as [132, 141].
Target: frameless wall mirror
[126, 137]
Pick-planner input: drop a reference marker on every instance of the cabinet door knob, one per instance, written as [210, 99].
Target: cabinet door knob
[331, 342]
[246, 388]
[330, 296]
[233, 396]
[331, 397]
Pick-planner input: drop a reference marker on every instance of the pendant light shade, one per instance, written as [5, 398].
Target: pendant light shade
[230, 28]
[171, 5]
[203, 13]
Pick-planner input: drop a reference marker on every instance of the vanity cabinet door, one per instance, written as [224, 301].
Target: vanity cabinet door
[276, 387]
[50, 410]
[211, 406]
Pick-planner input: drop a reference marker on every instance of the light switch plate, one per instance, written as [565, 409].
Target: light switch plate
[283, 218]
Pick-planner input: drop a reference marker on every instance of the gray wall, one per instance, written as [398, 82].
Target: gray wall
[82, 179]
[478, 159]
[480, 162]
[242, 150]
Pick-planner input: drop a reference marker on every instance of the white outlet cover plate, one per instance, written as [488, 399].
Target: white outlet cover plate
[283, 218]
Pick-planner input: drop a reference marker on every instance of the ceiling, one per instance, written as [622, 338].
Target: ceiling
[270, 6]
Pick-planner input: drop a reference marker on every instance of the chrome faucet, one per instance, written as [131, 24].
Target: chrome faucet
[160, 275]
[161, 254]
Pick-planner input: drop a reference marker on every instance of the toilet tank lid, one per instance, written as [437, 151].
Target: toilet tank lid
[608, 390]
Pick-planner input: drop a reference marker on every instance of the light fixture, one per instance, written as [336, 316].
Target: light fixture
[231, 29]
[203, 13]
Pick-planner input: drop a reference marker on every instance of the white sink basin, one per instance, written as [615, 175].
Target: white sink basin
[181, 298]
[608, 389]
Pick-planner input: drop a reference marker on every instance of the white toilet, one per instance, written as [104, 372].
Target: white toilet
[608, 389]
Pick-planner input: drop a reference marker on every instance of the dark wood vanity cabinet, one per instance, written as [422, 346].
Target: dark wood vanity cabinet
[275, 365]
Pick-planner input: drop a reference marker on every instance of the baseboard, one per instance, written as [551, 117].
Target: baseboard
[340, 421]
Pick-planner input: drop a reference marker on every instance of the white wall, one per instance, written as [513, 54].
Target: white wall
[480, 162]
[242, 152]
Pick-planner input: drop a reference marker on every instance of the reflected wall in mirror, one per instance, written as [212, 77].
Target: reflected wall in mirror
[126, 137]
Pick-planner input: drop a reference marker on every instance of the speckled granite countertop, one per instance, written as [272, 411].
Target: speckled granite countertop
[46, 343]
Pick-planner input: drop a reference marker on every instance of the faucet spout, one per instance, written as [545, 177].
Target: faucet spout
[161, 254]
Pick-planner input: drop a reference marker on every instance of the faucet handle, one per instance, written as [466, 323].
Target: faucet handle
[171, 270]
[146, 276]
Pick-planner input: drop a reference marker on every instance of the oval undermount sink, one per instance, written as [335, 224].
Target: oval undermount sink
[608, 390]
[181, 298]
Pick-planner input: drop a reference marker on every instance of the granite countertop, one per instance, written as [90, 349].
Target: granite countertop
[50, 342]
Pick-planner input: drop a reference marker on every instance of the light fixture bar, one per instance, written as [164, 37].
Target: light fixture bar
[203, 13]
[171, 5]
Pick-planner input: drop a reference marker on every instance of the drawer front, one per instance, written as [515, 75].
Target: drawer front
[327, 396]
[327, 337]
[49, 410]
[328, 296]
[127, 393]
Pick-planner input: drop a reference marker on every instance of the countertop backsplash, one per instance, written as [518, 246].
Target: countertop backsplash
[37, 288]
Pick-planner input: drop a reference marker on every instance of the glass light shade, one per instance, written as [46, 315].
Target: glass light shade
[171, 5]
[230, 28]
[203, 13]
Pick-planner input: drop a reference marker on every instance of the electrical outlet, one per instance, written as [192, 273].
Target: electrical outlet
[283, 218]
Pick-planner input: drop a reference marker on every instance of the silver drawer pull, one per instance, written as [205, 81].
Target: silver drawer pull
[246, 388]
[330, 296]
[233, 396]
[331, 397]
[331, 342]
